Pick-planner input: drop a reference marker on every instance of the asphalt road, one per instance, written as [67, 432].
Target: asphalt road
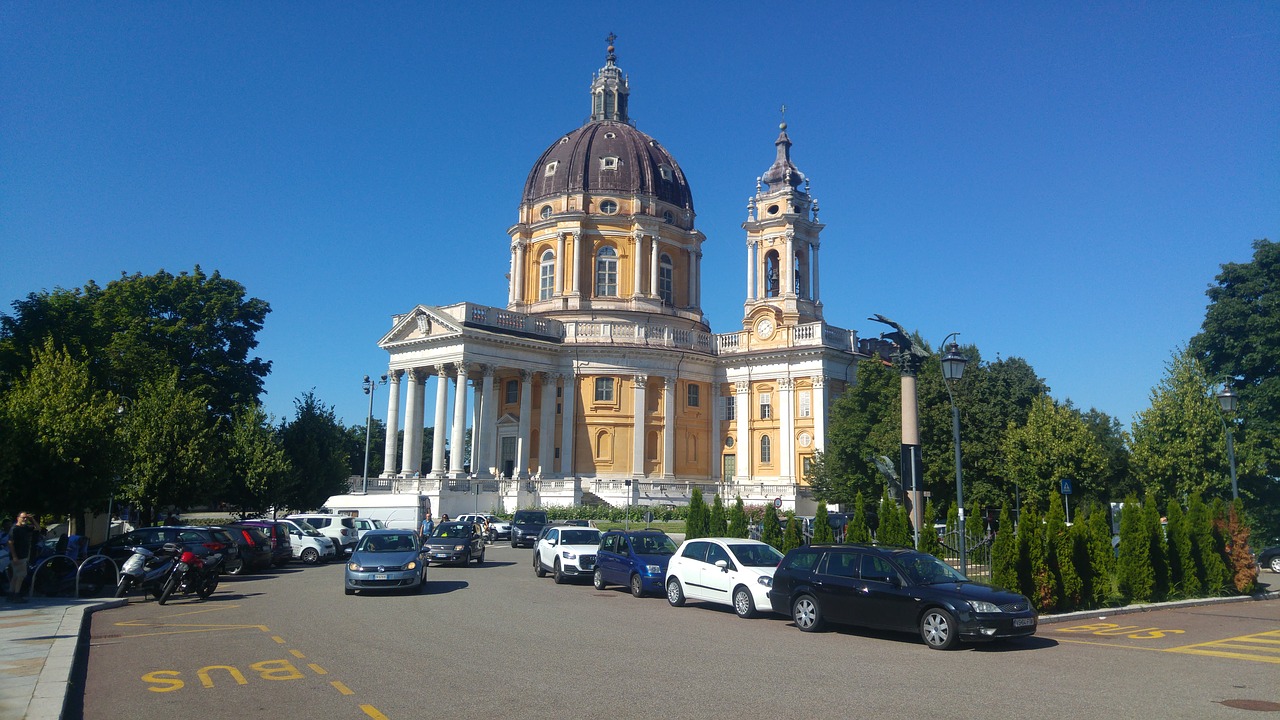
[497, 642]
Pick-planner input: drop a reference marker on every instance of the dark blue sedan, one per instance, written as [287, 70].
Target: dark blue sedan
[637, 559]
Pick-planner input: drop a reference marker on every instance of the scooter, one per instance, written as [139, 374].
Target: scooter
[147, 570]
[192, 574]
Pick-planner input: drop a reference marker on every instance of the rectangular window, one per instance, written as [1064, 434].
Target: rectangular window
[513, 392]
[693, 395]
[730, 408]
[766, 406]
[604, 389]
[547, 281]
[804, 404]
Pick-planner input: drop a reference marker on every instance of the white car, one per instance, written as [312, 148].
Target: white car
[495, 528]
[729, 571]
[339, 528]
[364, 525]
[566, 552]
[309, 545]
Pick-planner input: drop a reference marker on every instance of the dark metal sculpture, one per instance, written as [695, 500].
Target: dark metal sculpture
[910, 357]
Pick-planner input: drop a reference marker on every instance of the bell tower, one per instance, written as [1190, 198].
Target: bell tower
[782, 247]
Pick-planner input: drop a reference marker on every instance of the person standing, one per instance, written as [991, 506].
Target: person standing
[22, 548]
[427, 526]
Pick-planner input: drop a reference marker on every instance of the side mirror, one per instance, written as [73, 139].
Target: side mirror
[723, 565]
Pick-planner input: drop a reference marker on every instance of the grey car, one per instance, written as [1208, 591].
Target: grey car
[456, 543]
[388, 559]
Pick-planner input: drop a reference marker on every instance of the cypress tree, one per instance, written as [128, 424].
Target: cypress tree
[928, 536]
[1058, 558]
[1078, 538]
[1182, 574]
[770, 530]
[856, 531]
[1218, 515]
[791, 538]
[738, 520]
[1004, 552]
[1159, 550]
[893, 523]
[1241, 565]
[1045, 594]
[1102, 556]
[822, 526]
[1210, 569]
[1026, 535]
[1134, 575]
[718, 523]
[696, 524]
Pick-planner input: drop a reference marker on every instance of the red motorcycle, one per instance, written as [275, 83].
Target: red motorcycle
[192, 574]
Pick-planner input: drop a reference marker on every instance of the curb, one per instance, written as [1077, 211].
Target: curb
[48, 702]
[1148, 607]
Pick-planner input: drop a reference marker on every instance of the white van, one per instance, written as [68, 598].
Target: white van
[340, 528]
[396, 510]
[309, 545]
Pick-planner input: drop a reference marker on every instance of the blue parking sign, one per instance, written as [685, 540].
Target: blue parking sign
[1066, 486]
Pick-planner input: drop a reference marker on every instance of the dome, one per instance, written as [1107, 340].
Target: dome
[608, 157]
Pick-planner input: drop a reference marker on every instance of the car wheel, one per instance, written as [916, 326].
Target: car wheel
[742, 602]
[1275, 564]
[597, 579]
[237, 568]
[805, 613]
[637, 585]
[938, 629]
[513, 542]
[480, 560]
[560, 576]
[537, 567]
[310, 556]
[675, 593]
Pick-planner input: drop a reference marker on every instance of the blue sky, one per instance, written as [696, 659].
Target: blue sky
[1058, 182]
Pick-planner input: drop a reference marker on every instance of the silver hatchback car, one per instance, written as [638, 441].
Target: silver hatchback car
[387, 559]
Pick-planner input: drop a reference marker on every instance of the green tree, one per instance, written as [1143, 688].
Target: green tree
[1182, 576]
[718, 525]
[699, 517]
[1054, 443]
[929, 542]
[1240, 340]
[1116, 480]
[864, 423]
[822, 533]
[314, 444]
[770, 529]
[1159, 555]
[172, 449]
[257, 465]
[1059, 557]
[1081, 560]
[1135, 577]
[1027, 535]
[1102, 557]
[738, 520]
[1210, 568]
[791, 538]
[1004, 553]
[354, 445]
[893, 527]
[1241, 564]
[61, 449]
[856, 530]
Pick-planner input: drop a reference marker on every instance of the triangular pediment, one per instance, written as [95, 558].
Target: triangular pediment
[422, 323]
[508, 419]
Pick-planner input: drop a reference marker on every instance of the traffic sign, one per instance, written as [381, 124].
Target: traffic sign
[777, 503]
[1066, 486]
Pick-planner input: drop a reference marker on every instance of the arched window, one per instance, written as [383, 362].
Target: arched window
[547, 276]
[607, 272]
[766, 452]
[772, 274]
[666, 280]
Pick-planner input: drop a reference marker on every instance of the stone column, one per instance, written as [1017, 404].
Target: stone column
[819, 411]
[547, 425]
[695, 280]
[715, 451]
[637, 255]
[389, 466]
[577, 265]
[568, 419]
[520, 270]
[511, 275]
[419, 421]
[742, 411]
[637, 429]
[786, 274]
[560, 268]
[787, 433]
[655, 262]
[813, 273]
[456, 437]
[477, 401]
[442, 417]
[488, 422]
[751, 285]
[411, 463]
[526, 425]
[669, 428]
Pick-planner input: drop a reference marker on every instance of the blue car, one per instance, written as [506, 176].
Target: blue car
[387, 560]
[636, 559]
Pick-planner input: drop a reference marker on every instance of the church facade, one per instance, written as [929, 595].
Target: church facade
[600, 375]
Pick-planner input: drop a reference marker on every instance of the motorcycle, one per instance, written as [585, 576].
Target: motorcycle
[192, 574]
[147, 570]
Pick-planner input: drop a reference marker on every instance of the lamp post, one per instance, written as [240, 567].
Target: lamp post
[952, 371]
[1227, 403]
[369, 386]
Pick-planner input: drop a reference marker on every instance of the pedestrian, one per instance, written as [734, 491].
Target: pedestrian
[427, 526]
[22, 548]
[444, 518]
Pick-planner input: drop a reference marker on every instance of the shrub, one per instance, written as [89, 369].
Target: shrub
[1240, 562]
[856, 531]
[1135, 576]
[1210, 568]
[1182, 567]
[1102, 558]
[1027, 523]
[718, 524]
[737, 520]
[1159, 550]
[928, 536]
[822, 526]
[791, 538]
[1062, 571]
[770, 530]
[696, 525]
[1004, 551]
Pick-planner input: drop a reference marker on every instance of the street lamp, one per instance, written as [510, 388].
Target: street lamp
[952, 371]
[1227, 403]
[369, 386]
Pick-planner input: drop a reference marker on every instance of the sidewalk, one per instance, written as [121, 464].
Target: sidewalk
[37, 650]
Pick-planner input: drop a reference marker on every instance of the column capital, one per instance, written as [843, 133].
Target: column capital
[416, 374]
[741, 387]
[442, 370]
[394, 376]
[461, 371]
[641, 380]
[819, 380]
[486, 370]
[526, 375]
[786, 383]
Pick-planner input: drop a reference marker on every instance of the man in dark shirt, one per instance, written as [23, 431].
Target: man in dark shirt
[22, 548]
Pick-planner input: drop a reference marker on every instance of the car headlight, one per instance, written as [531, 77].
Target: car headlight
[983, 606]
[765, 580]
[353, 567]
[653, 569]
[412, 564]
[569, 555]
[459, 548]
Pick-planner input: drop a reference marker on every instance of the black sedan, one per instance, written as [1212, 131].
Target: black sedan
[1269, 558]
[455, 542]
[895, 589]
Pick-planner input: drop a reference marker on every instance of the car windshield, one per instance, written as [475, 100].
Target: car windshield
[580, 537]
[754, 555]
[452, 530]
[653, 545]
[533, 518]
[925, 569]
[388, 543]
[307, 528]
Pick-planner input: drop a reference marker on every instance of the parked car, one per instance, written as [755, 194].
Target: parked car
[339, 528]
[895, 589]
[636, 559]
[456, 542]
[737, 572]
[386, 559]
[277, 531]
[309, 545]
[1269, 558]
[364, 525]
[254, 549]
[525, 526]
[497, 528]
[199, 540]
[566, 552]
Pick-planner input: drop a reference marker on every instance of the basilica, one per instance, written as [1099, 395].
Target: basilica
[599, 379]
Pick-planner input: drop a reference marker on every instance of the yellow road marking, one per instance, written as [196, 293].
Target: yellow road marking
[162, 622]
[372, 712]
[342, 688]
[1261, 647]
[317, 669]
[298, 654]
[279, 640]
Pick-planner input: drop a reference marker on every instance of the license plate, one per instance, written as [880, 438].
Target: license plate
[1023, 622]
[380, 576]
[442, 555]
